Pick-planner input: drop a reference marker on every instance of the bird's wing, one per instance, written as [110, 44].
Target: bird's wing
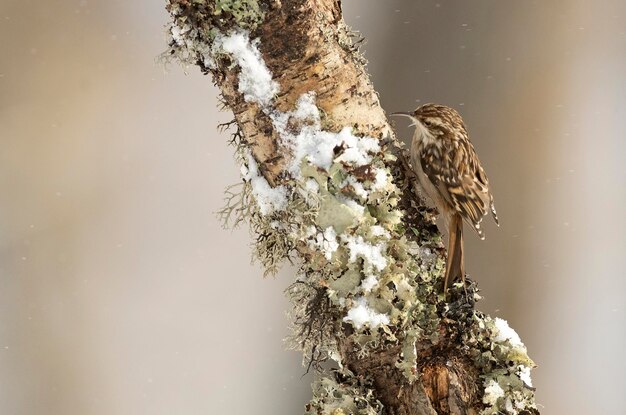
[460, 179]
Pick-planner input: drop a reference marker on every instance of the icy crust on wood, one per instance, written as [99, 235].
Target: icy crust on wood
[322, 181]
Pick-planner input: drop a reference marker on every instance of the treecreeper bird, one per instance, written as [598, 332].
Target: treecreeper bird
[449, 172]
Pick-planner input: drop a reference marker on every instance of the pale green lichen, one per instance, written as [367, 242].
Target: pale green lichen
[246, 14]
[315, 328]
[196, 23]
[332, 211]
[332, 398]
[238, 205]
[505, 367]
[408, 364]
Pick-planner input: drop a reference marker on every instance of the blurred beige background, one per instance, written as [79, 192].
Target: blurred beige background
[121, 294]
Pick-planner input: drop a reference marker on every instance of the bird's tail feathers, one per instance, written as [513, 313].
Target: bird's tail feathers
[455, 266]
[492, 206]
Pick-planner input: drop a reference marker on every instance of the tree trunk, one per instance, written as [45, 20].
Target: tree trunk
[326, 183]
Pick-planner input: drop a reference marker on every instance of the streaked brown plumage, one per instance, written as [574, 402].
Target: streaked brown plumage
[449, 172]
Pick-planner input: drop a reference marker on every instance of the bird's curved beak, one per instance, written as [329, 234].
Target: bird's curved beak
[403, 114]
[406, 114]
